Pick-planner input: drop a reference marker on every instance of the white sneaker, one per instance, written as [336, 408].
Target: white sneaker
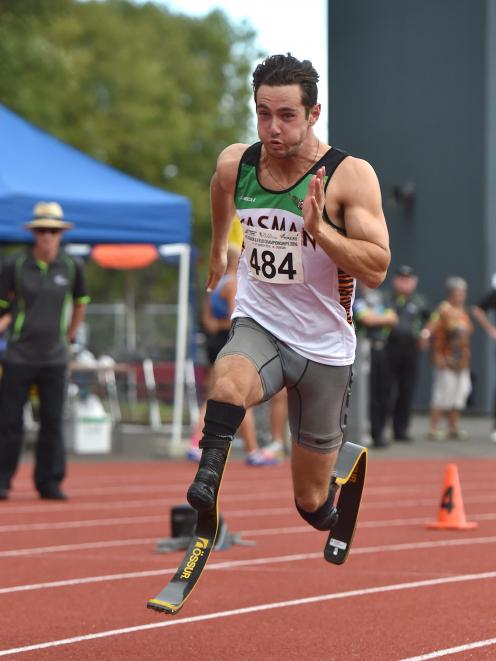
[276, 448]
[492, 436]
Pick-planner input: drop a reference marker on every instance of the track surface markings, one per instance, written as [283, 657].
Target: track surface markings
[453, 650]
[256, 609]
[236, 564]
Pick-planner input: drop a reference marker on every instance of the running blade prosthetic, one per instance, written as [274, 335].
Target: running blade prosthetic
[349, 476]
[171, 599]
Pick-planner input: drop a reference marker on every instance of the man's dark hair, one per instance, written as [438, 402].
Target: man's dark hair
[287, 70]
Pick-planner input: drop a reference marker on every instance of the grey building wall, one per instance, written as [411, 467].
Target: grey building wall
[412, 90]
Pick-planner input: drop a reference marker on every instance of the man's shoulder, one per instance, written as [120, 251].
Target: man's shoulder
[13, 258]
[355, 167]
[231, 155]
[71, 261]
[355, 178]
[228, 165]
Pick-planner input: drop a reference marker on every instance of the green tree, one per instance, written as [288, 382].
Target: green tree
[153, 93]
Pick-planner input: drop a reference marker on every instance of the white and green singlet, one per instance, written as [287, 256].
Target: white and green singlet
[286, 282]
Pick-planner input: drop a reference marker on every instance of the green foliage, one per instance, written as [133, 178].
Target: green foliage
[155, 94]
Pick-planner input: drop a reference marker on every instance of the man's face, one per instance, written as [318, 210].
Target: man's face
[282, 120]
[405, 284]
[47, 237]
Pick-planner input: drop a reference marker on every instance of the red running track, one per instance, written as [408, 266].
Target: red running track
[75, 576]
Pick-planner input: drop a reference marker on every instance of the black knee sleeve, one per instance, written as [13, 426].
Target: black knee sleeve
[221, 423]
[324, 517]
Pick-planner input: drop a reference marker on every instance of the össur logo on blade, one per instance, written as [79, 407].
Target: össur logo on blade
[200, 546]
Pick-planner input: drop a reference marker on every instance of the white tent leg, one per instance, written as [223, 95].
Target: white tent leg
[151, 389]
[181, 347]
[194, 409]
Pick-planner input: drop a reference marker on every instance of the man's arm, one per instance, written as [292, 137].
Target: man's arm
[78, 315]
[371, 319]
[5, 321]
[7, 285]
[222, 209]
[364, 251]
[80, 301]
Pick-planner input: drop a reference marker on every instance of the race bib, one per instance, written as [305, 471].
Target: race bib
[274, 256]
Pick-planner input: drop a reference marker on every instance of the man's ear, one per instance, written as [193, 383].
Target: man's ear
[314, 114]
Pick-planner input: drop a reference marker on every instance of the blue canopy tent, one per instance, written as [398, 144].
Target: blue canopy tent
[105, 205]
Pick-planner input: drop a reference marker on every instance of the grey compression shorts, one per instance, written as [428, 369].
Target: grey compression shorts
[318, 394]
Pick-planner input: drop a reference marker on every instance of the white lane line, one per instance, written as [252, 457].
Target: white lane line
[156, 503]
[124, 504]
[74, 506]
[452, 650]
[83, 546]
[253, 609]
[236, 564]
[159, 487]
[97, 523]
[163, 489]
[162, 483]
[11, 509]
[86, 523]
[257, 532]
[275, 511]
[135, 520]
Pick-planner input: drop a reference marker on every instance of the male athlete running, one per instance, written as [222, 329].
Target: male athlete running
[312, 225]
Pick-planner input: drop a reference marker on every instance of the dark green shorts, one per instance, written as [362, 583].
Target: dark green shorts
[318, 394]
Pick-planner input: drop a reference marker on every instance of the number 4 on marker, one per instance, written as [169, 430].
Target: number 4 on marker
[447, 500]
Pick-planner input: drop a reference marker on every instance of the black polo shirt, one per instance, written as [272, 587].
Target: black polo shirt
[39, 297]
[413, 312]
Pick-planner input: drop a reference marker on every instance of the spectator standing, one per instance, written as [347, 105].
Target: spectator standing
[451, 357]
[36, 287]
[402, 347]
[480, 312]
[376, 321]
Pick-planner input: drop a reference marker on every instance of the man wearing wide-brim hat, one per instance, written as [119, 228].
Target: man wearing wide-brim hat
[43, 290]
[48, 215]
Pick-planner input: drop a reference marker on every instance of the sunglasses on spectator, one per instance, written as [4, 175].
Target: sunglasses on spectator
[47, 230]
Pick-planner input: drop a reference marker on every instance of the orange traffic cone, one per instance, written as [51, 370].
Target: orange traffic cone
[451, 511]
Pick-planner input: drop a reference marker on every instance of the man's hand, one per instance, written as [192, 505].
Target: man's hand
[218, 265]
[313, 204]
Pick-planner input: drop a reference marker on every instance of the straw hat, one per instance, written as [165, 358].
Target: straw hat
[48, 214]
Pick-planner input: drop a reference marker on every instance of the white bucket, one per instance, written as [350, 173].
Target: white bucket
[92, 428]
